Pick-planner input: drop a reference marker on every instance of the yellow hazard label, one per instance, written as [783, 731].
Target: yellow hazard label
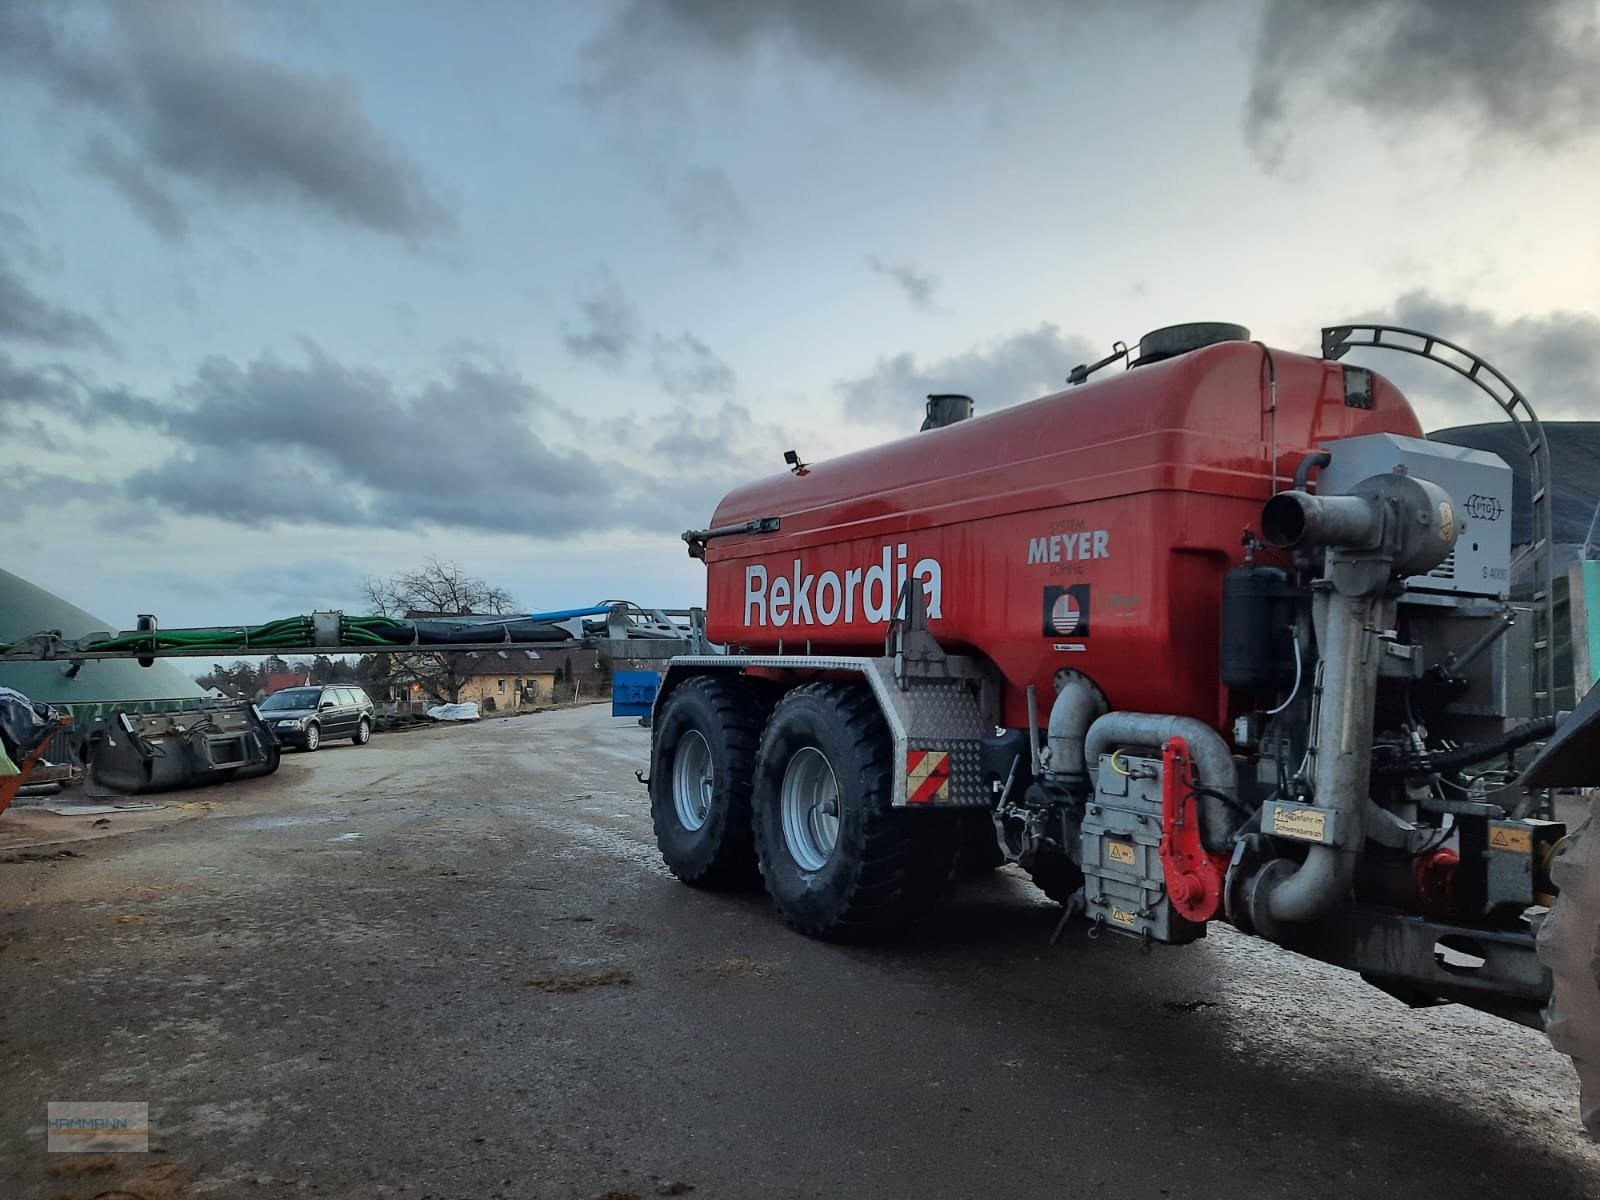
[1123, 917]
[1302, 824]
[1120, 852]
[1509, 837]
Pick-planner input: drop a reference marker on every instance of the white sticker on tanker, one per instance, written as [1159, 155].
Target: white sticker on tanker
[1069, 547]
[798, 596]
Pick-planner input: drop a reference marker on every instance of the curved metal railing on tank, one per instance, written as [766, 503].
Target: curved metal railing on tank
[1338, 340]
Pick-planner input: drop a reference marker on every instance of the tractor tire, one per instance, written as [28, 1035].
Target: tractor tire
[1569, 944]
[703, 758]
[838, 860]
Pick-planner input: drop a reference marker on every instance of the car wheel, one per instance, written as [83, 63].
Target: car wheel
[363, 733]
[313, 737]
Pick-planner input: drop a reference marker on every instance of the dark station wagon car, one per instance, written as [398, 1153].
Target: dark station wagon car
[308, 716]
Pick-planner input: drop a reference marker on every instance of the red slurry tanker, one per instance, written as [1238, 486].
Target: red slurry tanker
[1220, 636]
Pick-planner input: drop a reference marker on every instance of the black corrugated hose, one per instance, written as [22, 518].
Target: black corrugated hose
[1472, 752]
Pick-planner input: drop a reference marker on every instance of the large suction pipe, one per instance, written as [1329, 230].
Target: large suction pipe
[1391, 526]
[1077, 704]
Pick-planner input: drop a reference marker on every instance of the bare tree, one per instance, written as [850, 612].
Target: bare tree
[435, 589]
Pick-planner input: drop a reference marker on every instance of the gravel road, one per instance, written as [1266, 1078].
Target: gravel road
[451, 965]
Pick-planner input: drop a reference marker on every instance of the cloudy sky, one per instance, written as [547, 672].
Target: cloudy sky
[295, 292]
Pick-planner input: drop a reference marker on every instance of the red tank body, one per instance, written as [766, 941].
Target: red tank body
[1089, 529]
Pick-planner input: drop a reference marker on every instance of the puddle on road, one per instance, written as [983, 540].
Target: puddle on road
[289, 821]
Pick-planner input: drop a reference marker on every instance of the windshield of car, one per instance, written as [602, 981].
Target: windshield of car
[292, 698]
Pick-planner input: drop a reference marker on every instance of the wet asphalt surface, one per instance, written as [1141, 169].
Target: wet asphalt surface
[451, 965]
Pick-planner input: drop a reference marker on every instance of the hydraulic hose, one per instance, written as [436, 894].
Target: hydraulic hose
[1472, 752]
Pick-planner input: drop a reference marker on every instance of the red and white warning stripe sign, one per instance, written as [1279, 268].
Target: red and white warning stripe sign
[927, 776]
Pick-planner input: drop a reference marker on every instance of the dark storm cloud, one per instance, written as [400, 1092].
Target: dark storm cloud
[31, 394]
[144, 195]
[23, 489]
[912, 45]
[1021, 367]
[708, 208]
[919, 286]
[274, 443]
[288, 442]
[1554, 359]
[27, 316]
[610, 329]
[28, 394]
[685, 366]
[1527, 72]
[685, 438]
[188, 103]
[698, 454]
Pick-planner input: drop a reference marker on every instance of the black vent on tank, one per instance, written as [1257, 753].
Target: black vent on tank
[1180, 339]
[946, 408]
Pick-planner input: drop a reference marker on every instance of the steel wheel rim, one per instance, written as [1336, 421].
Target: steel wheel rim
[692, 781]
[313, 737]
[363, 731]
[810, 806]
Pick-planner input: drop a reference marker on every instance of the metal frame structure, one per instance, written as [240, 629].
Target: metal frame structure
[632, 631]
[1339, 340]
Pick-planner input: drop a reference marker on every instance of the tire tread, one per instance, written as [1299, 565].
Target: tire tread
[740, 715]
[908, 858]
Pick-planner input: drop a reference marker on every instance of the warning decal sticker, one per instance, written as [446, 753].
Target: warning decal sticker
[927, 776]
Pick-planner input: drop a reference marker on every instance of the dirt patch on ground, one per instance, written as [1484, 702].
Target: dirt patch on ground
[580, 983]
[31, 856]
[81, 1166]
[748, 968]
[120, 1177]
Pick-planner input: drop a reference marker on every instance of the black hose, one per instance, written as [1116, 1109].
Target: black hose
[1302, 473]
[1233, 802]
[1472, 752]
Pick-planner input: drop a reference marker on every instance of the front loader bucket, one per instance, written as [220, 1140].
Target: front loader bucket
[137, 753]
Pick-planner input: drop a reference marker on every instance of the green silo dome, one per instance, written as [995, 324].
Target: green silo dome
[26, 610]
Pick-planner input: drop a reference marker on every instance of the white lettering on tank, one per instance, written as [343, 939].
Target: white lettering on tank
[879, 575]
[852, 581]
[932, 575]
[755, 593]
[802, 598]
[1076, 546]
[830, 596]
